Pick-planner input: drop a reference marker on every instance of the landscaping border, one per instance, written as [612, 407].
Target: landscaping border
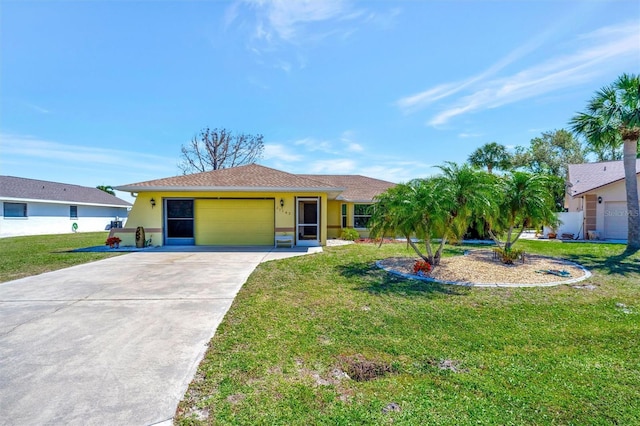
[587, 274]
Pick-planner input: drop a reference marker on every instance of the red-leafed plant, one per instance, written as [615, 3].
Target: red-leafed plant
[421, 267]
[112, 241]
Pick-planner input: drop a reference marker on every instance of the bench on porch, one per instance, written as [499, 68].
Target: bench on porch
[282, 240]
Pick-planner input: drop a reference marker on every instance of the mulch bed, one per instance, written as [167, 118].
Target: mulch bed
[480, 267]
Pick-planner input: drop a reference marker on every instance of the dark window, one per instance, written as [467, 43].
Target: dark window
[73, 212]
[361, 215]
[180, 209]
[180, 228]
[15, 209]
[180, 218]
[344, 215]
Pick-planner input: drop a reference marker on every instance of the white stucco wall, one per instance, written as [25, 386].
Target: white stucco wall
[609, 193]
[570, 223]
[53, 218]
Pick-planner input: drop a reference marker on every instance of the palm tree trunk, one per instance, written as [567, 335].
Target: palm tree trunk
[631, 183]
[495, 238]
[419, 253]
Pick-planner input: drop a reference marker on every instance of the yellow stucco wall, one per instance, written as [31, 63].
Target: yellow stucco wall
[334, 218]
[142, 214]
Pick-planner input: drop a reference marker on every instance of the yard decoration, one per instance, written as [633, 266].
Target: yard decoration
[140, 239]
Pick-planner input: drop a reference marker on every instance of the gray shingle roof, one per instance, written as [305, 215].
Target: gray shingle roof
[32, 189]
[589, 176]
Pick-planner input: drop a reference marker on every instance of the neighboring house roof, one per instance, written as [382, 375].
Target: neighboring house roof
[23, 189]
[257, 178]
[589, 176]
[357, 188]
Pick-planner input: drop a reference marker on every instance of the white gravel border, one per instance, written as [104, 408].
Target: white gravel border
[586, 275]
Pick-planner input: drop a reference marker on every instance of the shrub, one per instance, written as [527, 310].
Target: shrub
[507, 256]
[112, 240]
[349, 234]
[421, 267]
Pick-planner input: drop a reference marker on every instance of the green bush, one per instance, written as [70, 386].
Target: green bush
[349, 234]
[508, 256]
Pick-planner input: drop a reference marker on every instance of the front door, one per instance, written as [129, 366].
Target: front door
[308, 223]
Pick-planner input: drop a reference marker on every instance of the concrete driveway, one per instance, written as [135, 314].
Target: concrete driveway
[116, 341]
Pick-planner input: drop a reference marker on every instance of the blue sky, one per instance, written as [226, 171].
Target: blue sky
[106, 92]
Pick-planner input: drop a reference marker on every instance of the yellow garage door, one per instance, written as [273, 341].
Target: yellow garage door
[234, 222]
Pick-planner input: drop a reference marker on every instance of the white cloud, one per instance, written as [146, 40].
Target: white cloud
[414, 102]
[593, 54]
[386, 20]
[350, 145]
[420, 100]
[278, 152]
[285, 19]
[37, 108]
[355, 147]
[21, 147]
[469, 135]
[315, 145]
[333, 166]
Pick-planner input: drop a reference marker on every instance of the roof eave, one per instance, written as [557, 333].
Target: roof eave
[600, 186]
[354, 200]
[127, 188]
[75, 203]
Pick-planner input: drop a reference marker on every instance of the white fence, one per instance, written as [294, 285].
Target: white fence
[571, 224]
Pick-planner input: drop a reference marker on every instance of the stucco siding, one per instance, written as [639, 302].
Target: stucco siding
[282, 217]
[50, 218]
[334, 219]
[608, 195]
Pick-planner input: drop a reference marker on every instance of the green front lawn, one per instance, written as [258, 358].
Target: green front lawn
[25, 256]
[442, 354]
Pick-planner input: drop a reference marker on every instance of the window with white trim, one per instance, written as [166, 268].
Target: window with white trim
[15, 209]
[361, 215]
[73, 212]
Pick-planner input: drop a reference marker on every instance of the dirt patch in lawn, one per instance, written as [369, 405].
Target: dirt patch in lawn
[479, 267]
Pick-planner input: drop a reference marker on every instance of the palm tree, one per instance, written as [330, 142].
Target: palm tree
[409, 209]
[616, 109]
[606, 146]
[523, 200]
[106, 188]
[491, 155]
[438, 207]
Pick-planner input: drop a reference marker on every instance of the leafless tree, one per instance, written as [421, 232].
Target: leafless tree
[220, 149]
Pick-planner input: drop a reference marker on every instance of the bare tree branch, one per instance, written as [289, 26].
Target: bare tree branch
[219, 149]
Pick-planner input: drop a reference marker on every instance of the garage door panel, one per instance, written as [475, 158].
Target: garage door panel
[616, 222]
[234, 222]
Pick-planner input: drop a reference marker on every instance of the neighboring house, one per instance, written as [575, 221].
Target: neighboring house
[596, 201]
[37, 207]
[249, 205]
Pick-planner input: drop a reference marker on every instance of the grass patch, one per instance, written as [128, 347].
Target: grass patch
[33, 255]
[429, 354]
